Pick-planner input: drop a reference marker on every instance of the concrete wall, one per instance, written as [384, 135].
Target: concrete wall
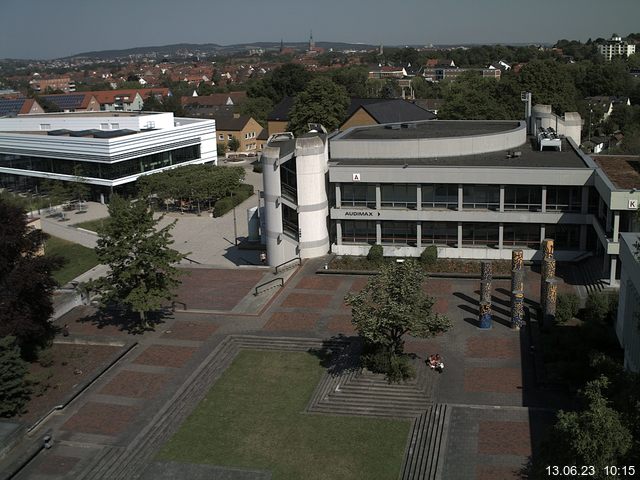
[85, 121]
[627, 323]
[276, 249]
[570, 125]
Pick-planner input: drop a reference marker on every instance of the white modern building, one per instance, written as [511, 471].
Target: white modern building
[110, 150]
[475, 189]
[628, 321]
[615, 47]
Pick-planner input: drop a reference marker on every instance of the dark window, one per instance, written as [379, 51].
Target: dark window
[289, 180]
[400, 195]
[404, 233]
[481, 234]
[566, 237]
[290, 221]
[564, 199]
[354, 231]
[358, 195]
[523, 198]
[521, 235]
[440, 196]
[481, 196]
[439, 233]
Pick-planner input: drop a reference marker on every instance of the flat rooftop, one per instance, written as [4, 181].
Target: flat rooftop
[430, 129]
[622, 170]
[88, 114]
[529, 157]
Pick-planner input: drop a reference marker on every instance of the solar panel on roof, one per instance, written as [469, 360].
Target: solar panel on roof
[65, 101]
[11, 107]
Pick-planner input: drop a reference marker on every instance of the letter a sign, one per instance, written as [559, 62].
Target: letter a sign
[356, 177]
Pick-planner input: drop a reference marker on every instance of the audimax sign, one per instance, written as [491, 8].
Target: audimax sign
[360, 213]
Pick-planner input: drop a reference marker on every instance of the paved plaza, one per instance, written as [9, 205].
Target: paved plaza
[496, 413]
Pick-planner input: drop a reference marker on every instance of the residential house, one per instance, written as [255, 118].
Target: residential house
[74, 102]
[43, 84]
[387, 72]
[244, 128]
[606, 104]
[615, 47]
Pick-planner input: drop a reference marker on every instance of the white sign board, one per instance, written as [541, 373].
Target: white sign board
[356, 177]
[633, 204]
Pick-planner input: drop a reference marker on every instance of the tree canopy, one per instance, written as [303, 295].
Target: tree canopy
[393, 304]
[26, 282]
[14, 388]
[321, 102]
[287, 80]
[142, 272]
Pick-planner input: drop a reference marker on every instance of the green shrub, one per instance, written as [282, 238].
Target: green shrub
[396, 368]
[376, 254]
[429, 256]
[601, 307]
[45, 358]
[225, 204]
[14, 387]
[257, 166]
[567, 307]
[222, 206]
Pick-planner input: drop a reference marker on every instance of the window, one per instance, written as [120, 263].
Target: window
[440, 196]
[439, 233]
[45, 126]
[229, 136]
[289, 180]
[564, 199]
[566, 237]
[221, 136]
[480, 234]
[357, 231]
[290, 221]
[358, 195]
[403, 233]
[523, 198]
[115, 126]
[398, 195]
[481, 196]
[521, 235]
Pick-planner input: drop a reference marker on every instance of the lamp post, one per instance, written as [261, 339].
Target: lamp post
[590, 112]
[235, 227]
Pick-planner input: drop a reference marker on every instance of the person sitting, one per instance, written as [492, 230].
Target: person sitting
[433, 361]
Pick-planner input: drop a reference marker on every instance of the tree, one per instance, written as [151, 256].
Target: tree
[258, 108]
[321, 102]
[472, 97]
[26, 282]
[394, 304]
[595, 436]
[14, 387]
[550, 84]
[233, 144]
[142, 273]
[79, 188]
[353, 79]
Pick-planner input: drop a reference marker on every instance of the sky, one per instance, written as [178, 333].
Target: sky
[44, 29]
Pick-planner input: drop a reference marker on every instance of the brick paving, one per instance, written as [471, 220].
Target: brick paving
[190, 330]
[493, 380]
[492, 429]
[135, 384]
[101, 419]
[165, 356]
[58, 465]
[292, 322]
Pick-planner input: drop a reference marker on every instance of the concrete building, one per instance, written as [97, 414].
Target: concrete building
[475, 189]
[111, 150]
[628, 321]
[615, 46]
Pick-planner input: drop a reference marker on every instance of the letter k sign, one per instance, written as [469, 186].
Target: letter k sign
[633, 204]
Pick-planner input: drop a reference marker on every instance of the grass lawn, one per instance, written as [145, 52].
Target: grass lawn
[92, 224]
[253, 418]
[79, 258]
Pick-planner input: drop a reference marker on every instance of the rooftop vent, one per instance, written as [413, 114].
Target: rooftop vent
[408, 125]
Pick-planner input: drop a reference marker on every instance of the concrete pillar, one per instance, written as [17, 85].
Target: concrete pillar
[459, 234]
[542, 232]
[378, 197]
[616, 225]
[612, 270]
[486, 276]
[460, 195]
[419, 197]
[501, 208]
[339, 232]
[584, 204]
[544, 198]
[583, 237]
[338, 195]
[500, 236]
[378, 232]
[419, 234]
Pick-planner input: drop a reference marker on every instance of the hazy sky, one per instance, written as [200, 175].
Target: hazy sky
[48, 29]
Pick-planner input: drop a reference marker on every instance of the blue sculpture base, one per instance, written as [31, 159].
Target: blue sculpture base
[486, 321]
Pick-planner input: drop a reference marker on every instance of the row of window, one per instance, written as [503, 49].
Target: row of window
[559, 198]
[446, 234]
[109, 171]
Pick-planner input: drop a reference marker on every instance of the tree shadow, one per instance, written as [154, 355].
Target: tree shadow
[339, 354]
[126, 320]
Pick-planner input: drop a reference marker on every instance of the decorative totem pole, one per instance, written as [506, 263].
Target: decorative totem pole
[486, 275]
[517, 289]
[548, 272]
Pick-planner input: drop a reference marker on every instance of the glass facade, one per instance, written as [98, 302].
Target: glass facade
[521, 235]
[480, 234]
[107, 171]
[358, 232]
[403, 233]
[566, 237]
[358, 195]
[399, 195]
[523, 198]
[289, 221]
[440, 233]
[564, 199]
[481, 196]
[289, 180]
[440, 196]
